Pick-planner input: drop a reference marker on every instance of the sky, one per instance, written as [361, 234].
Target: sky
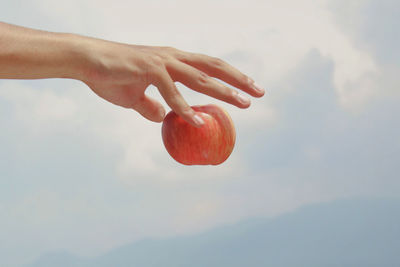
[79, 174]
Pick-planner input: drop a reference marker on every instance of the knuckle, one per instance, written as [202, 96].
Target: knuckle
[152, 74]
[186, 110]
[167, 52]
[156, 60]
[244, 79]
[153, 69]
[174, 96]
[155, 73]
[232, 95]
[217, 63]
[203, 78]
[170, 49]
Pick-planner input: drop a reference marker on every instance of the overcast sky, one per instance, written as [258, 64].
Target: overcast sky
[81, 175]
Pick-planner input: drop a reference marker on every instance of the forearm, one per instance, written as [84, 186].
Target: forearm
[33, 54]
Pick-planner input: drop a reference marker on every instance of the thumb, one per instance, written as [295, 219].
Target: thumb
[150, 108]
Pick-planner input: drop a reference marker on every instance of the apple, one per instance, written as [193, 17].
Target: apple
[210, 144]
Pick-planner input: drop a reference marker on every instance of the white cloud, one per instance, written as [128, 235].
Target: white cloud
[38, 107]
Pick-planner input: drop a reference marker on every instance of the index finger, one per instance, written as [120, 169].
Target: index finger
[174, 99]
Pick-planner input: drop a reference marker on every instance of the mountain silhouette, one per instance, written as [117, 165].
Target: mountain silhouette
[363, 232]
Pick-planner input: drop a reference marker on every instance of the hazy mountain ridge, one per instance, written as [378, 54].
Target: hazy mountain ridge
[341, 233]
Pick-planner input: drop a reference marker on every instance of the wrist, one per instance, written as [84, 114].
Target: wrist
[89, 58]
[78, 57]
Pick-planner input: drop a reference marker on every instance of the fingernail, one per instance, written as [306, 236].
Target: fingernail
[161, 111]
[198, 120]
[258, 88]
[243, 99]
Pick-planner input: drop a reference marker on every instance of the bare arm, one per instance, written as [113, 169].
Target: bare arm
[33, 54]
[120, 73]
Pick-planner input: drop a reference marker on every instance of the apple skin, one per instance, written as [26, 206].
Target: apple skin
[210, 144]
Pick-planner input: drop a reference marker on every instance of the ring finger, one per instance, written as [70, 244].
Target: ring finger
[202, 83]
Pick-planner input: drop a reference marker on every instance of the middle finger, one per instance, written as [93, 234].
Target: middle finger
[218, 68]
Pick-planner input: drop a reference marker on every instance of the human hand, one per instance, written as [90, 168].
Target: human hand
[120, 73]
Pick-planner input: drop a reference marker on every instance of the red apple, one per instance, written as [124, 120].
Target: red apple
[210, 144]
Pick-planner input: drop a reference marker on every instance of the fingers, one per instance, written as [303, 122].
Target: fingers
[150, 108]
[218, 68]
[175, 100]
[201, 82]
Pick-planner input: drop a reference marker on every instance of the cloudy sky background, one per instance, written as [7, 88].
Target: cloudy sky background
[78, 174]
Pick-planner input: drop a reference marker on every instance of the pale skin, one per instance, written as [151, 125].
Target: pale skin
[120, 73]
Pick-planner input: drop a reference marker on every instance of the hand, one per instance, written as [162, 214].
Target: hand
[120, 73]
